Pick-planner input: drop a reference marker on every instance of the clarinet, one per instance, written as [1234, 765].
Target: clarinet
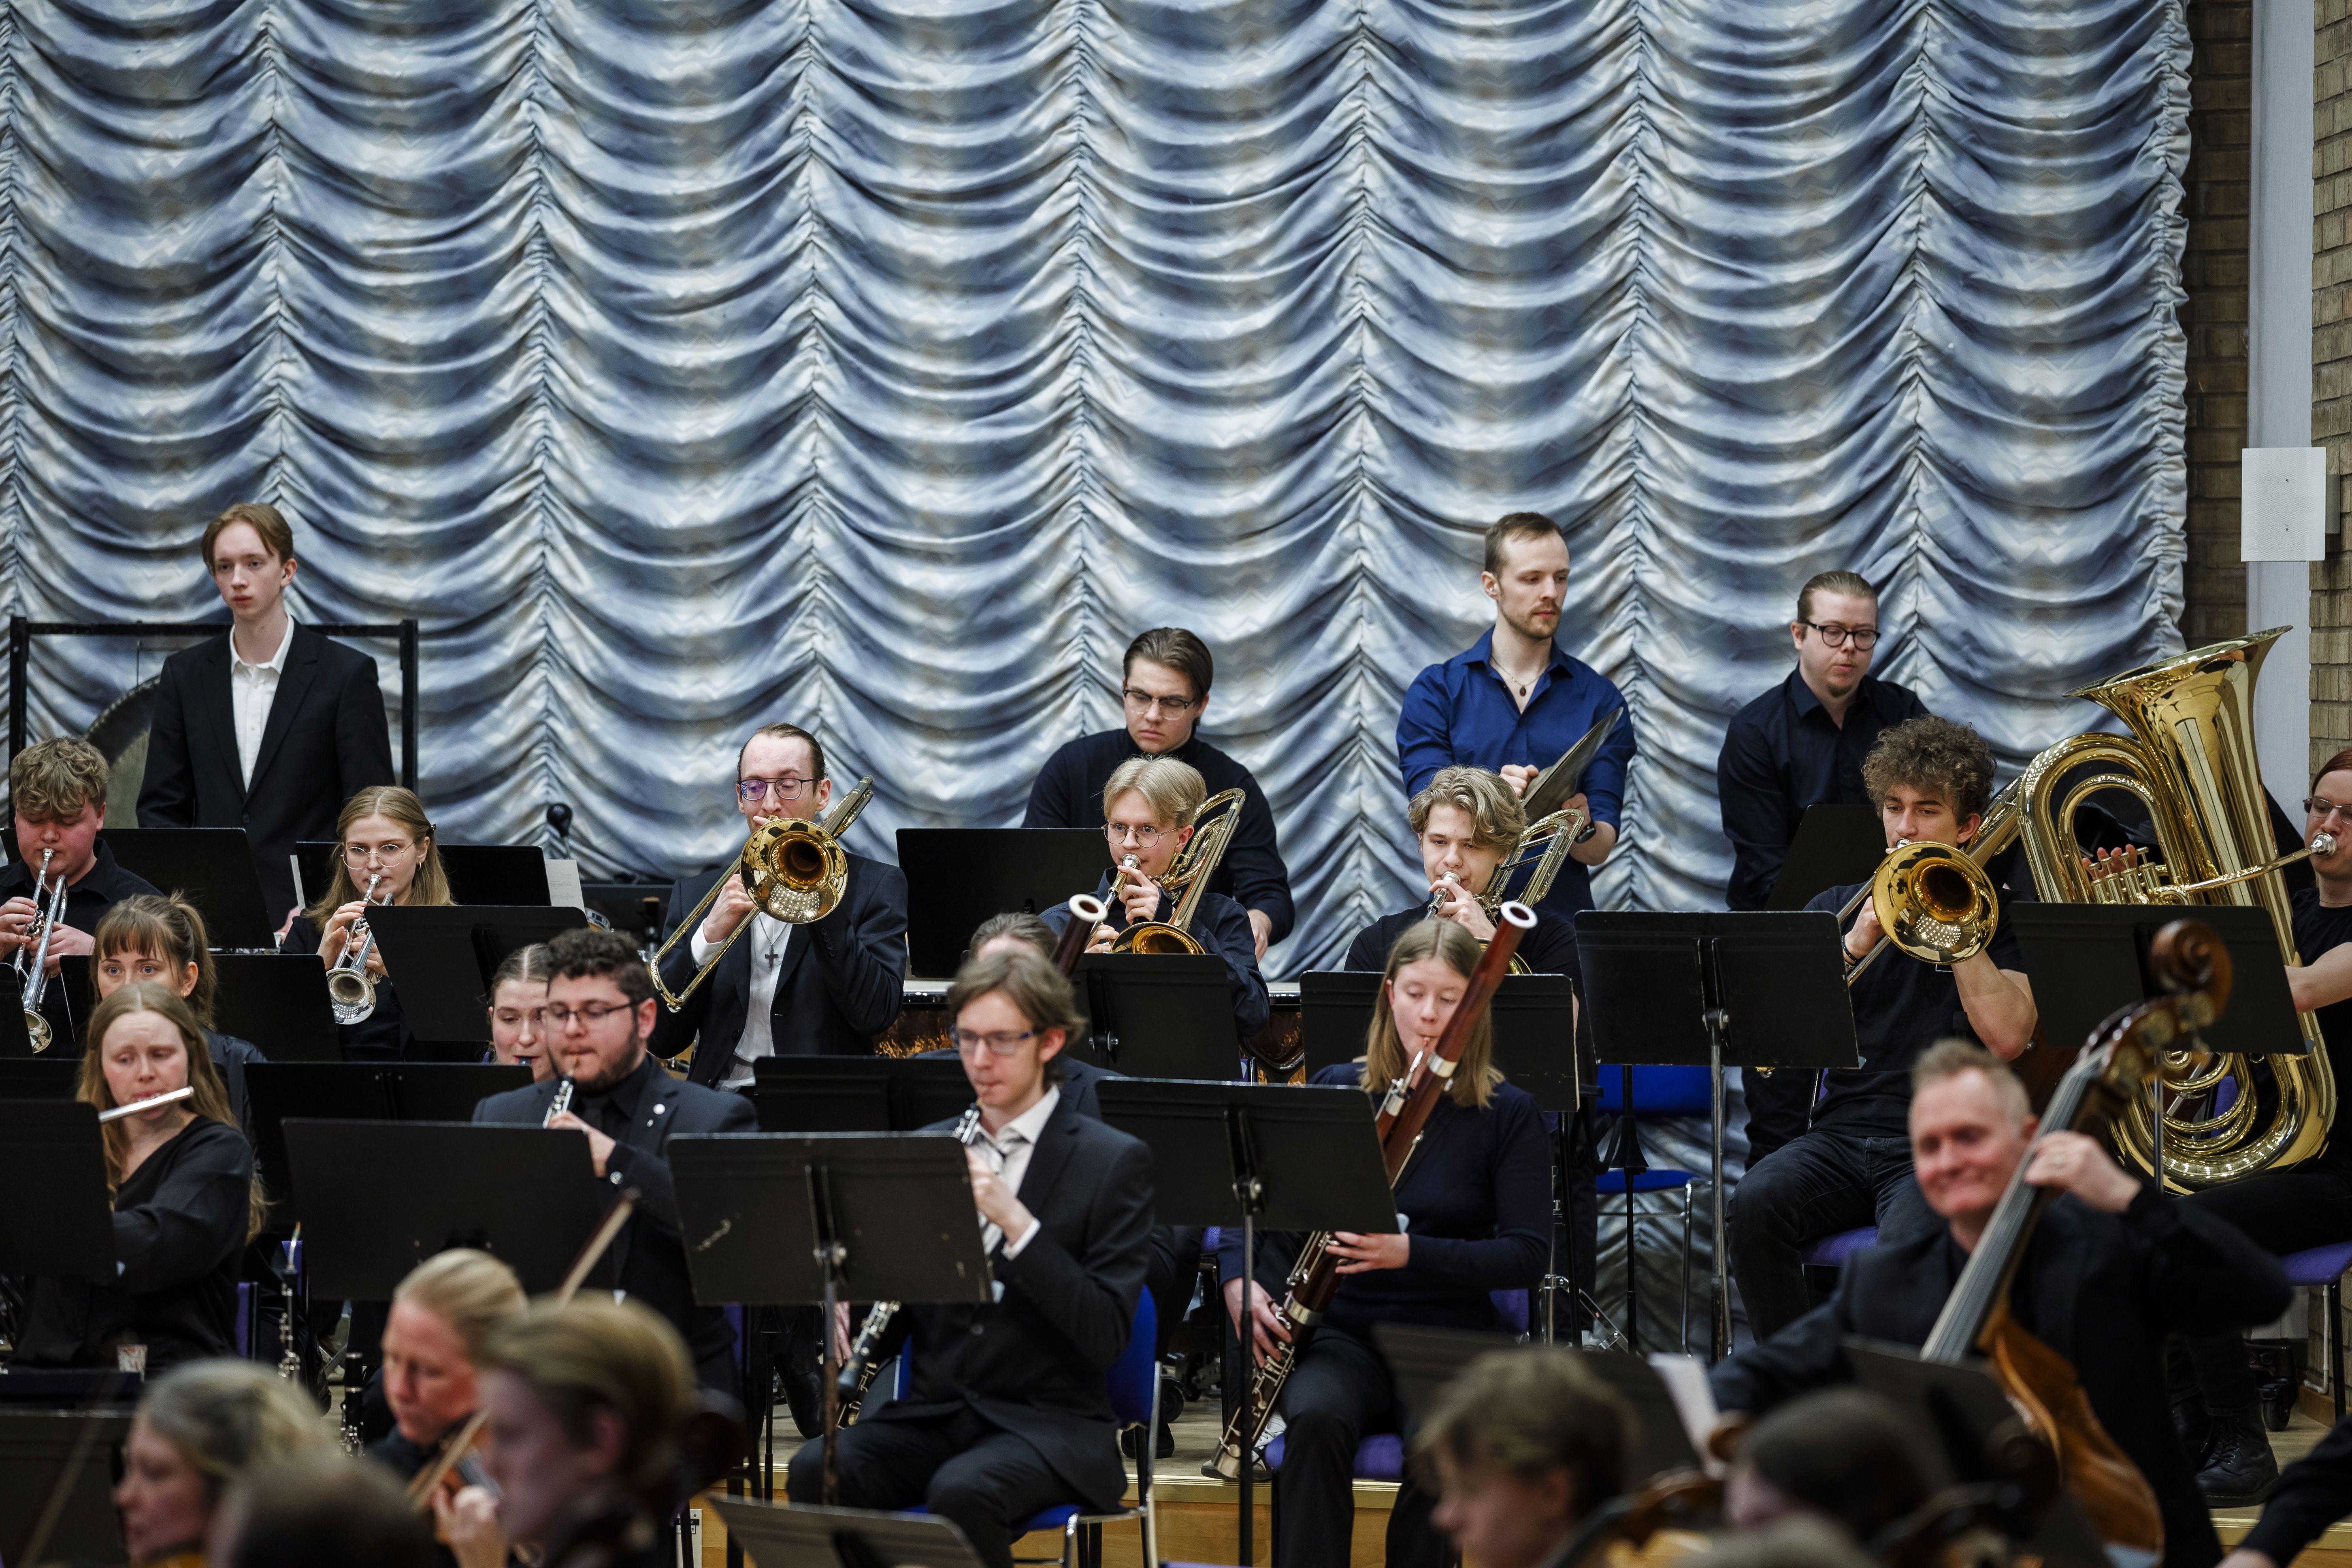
[564, 1087]
[865, 1362]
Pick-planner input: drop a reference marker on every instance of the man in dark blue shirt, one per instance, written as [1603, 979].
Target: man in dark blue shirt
[1166, 678]
[1801, 744]
[1932, 779]
[1513, 701]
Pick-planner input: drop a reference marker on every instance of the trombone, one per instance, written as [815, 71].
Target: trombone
[1557, 833]
[1933, 900]
[349, 989]
[32, 984]
[1190, 871]
[794, 869]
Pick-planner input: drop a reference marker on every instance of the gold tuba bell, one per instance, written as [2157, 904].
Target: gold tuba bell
[2190, 757]
[1190, 871]
[794, 869]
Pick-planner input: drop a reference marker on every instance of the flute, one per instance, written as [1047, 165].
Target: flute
[151, 1102]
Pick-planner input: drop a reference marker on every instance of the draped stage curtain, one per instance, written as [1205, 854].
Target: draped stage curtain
[887, 365]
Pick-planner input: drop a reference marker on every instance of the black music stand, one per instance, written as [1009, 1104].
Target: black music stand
[857, 1094]
[1534, 1020]
[782, 1220]
[213, 867]
[276, 1092]
[442, 957]
[525, 1194]
[313, 862]
[958, 877]
[38, 1450]
[279, 1001]
[497, 874]
[805, 1536]
[40, 1078]
[1835, 844]
[1962, 1406]
[1745, 990]
[1268, 1154]
[51, 1148]
[15, 1040]
[1158, 1015]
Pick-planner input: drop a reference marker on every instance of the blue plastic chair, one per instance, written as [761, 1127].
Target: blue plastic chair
[1658, 1092]
[1831, 1251]
[2326, 1266]
[1134, 1382]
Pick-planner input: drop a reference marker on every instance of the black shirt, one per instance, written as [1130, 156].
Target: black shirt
[87, 901]
[1549, 949]
[1068, 794]
[610, 1109]
[1782, 753]
[2319, 929]
[179, 1236]
[1900, 1008]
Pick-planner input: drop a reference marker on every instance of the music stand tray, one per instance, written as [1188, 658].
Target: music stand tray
[806, 1536]
[498, 874]
[2088, 960]
[1835, 845]
[358, 1091]
[1159, 1014]
[36, 1447]
[442, 957]
[958, 877]
[40, 1078]
[213, 867]
[857, 1094]
[51, 1148]
[528, 1194]
[279, 1001]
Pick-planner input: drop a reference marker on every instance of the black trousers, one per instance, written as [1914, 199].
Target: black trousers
[960, 1466]
[1340, 1392]
[1818, 1186]
[2282, 1212]
[1172, 1271]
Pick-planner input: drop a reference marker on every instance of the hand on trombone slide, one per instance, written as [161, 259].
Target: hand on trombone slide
[1865, 933]
[734, 906]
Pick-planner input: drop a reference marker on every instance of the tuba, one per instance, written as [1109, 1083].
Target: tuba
[2190, 758]
[1190, 871]
[795, 870]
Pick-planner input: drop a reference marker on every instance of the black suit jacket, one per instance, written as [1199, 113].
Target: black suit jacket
[2101, 1290]
[325, 740]
[1036, 1362]
[648, 1256]
[844, 977]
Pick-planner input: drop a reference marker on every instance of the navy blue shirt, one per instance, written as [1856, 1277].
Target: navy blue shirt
[1476, 1200]
[1549, 949]
[1461, 714]
[1068, 794]
[1782, 753]
[1219, 926]
[1901, 1006]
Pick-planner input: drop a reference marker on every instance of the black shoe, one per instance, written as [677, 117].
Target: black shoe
[2240, 1469]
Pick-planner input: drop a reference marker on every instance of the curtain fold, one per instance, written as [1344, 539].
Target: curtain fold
[886, 366]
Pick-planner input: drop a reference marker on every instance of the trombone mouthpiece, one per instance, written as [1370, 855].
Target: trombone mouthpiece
[2323, 843]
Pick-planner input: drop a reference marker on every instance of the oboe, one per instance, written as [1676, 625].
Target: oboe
[865, 1362]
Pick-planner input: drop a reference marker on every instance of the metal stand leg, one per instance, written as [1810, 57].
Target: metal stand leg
[1686, 1252]
[2336, 1342]
[1719, 1311]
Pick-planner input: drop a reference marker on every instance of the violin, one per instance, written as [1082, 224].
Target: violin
[2190, 960]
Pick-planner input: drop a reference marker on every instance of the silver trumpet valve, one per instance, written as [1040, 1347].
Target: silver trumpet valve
[33, 977]
[349, 989]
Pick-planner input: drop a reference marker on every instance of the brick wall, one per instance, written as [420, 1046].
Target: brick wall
[2331, 374]
[2213, 320]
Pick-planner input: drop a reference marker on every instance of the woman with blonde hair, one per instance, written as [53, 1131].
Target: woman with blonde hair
[163, 940]
[388, 841]
[517, 1008]
[196, 1430]
[184, 1200]
[1475, 1201]
[443, 1315]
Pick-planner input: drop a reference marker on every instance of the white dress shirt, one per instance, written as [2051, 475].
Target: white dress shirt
[769, 937]
[252, 688]
[1008, 1153]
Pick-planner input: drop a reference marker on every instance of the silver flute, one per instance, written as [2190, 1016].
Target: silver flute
[858, 1373]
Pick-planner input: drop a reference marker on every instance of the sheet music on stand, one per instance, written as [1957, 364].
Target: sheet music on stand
[1566, 776]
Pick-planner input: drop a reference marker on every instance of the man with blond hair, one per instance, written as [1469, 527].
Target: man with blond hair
[2111, 1268]
[1465, 824]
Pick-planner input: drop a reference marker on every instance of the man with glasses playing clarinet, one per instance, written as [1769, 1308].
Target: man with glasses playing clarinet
[825, 988]
[1164, 684]
[1801, 744]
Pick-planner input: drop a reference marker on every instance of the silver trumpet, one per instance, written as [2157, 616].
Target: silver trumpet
[348, 986]
[858, 1373]
[33, 981]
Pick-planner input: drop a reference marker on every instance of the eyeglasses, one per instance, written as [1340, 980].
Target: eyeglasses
[752, 791]
[966, 1042]
[590, 1016]
[1146, 837]
[361, 853]
[2323, 809]
[1863, 637]
[1172, 707]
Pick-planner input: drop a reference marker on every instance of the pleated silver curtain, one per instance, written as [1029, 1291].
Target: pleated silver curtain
[885, 366]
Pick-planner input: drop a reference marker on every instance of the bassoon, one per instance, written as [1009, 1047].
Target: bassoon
[1315, 1279]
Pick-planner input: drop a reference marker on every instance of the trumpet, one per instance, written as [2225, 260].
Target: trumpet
[32, 981]
[349, 988]
[795, 870]
[1933, 900]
